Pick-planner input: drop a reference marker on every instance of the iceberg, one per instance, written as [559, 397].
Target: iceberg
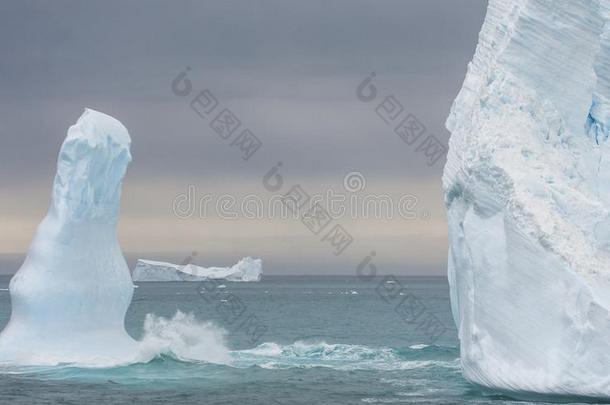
[247, 269]
[70, 296]
[527, 192]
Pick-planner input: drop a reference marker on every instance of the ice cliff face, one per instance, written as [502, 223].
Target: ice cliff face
[70, 296]
[247, 269]
[527, 190]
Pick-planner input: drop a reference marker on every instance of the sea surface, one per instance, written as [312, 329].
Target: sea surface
[284, 340]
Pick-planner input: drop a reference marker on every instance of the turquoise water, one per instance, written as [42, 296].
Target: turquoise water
[289, 340]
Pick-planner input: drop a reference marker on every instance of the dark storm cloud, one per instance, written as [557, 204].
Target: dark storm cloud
[288, 69]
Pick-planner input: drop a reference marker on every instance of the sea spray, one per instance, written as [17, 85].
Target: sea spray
[185, 338]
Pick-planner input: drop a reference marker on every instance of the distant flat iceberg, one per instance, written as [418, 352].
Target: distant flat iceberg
[247, 269]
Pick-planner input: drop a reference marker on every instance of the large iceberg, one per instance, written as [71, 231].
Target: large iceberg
[70, 296]
[247, 269]
[527, 191]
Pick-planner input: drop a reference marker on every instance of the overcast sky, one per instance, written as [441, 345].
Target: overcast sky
[288, 70]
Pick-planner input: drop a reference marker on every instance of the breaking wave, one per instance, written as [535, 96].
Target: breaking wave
[186, 339]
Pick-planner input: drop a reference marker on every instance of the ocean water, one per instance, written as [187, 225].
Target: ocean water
[285, 340]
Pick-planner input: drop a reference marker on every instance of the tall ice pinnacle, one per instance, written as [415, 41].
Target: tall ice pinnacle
[527, 191]
[70, 296]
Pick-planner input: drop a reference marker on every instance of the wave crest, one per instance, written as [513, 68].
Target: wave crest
[183, 337]
[186, 339]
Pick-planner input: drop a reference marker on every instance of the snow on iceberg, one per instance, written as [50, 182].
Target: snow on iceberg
[247, 269]
[527, 191]
[70, 296]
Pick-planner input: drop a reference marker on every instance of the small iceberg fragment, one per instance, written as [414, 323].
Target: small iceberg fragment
[246, 270]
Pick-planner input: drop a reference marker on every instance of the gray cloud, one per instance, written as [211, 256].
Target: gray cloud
[120, 57]
[288, 70]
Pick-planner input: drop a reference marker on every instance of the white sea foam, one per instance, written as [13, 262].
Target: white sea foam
[184, 337]
[336, 356]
